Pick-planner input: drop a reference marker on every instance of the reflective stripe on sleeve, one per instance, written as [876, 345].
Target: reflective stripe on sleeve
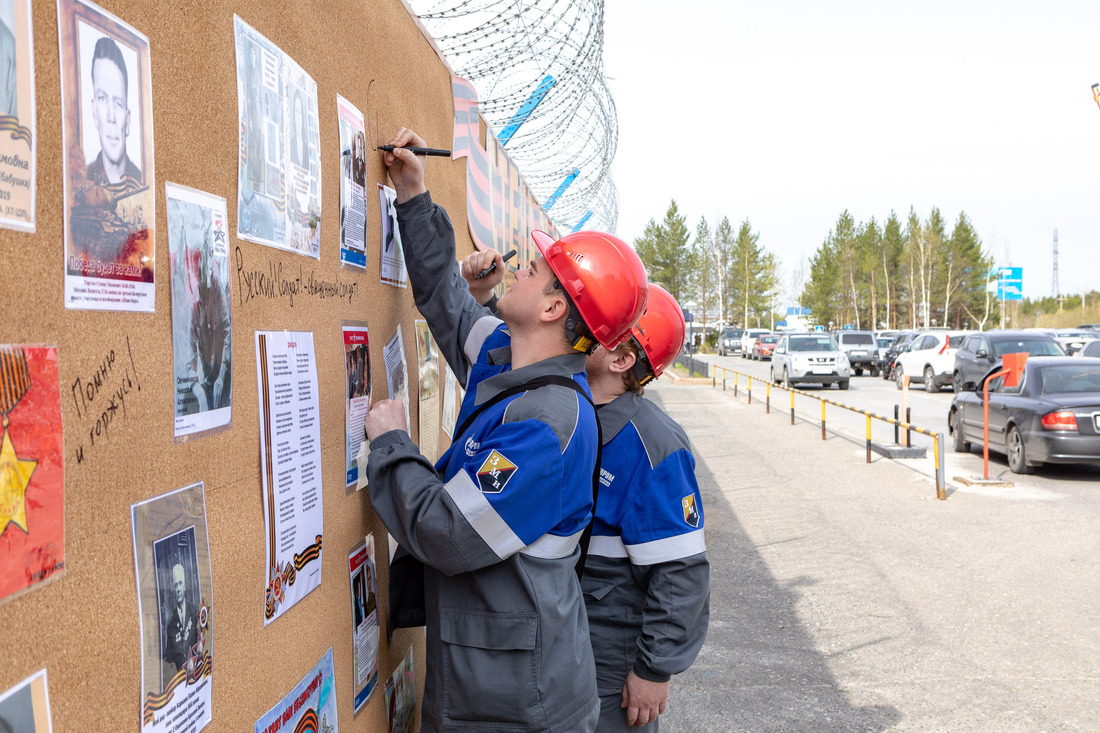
[606, 546]
[551, 546]
[475, 339]
[477, 510]
[666, 550]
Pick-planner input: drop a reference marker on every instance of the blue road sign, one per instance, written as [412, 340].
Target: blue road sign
[1010, 284]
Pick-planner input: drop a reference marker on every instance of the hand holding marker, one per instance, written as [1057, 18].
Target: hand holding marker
[493, 267]
[417, 150]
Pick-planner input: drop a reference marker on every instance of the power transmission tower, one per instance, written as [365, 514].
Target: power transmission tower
[1054, 284]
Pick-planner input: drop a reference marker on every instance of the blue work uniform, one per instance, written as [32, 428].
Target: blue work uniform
[497, 521]
[646, 580]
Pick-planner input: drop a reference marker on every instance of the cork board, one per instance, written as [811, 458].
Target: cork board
[83, 627]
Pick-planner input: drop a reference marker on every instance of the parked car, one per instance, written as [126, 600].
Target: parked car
[730, 341]
[1052, 416]
[809, 357]
[900, 343]
[860, 347]
[1092, 348]
[1074, 339]
[930, 359]
[763, 346]
[747, 337]
[980, 351]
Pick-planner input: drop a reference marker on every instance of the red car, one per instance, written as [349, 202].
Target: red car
[763, 346]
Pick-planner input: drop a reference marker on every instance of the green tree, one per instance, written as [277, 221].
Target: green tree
[891, 250]
[723, 245]
[753, 276]
[705, 269]
[967, 297]
[666, 254]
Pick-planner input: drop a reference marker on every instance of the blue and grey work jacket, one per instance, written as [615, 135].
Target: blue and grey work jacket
[647, 580]
[497, 521]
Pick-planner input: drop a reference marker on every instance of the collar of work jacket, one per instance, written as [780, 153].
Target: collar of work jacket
[565, 365]
[615, 414]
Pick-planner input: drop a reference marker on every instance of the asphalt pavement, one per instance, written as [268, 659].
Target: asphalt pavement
[846, 597]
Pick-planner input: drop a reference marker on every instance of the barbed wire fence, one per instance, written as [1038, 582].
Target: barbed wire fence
[507, 49]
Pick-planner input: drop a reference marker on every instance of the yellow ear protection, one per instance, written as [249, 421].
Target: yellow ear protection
[576, 331]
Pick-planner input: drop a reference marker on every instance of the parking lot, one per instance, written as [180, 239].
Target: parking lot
[928, 411]
[846, 597]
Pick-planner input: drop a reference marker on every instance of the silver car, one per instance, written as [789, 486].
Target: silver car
[810, 357]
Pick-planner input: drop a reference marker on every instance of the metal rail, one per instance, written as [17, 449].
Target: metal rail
[937, 439]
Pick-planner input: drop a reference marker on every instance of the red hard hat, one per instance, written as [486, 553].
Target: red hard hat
[660, 331]
[604, 277]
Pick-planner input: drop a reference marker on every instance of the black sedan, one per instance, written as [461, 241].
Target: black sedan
[1052, 416]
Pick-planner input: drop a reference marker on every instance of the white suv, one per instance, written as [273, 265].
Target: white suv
[748, 337]
[810, 357]
[930, 359]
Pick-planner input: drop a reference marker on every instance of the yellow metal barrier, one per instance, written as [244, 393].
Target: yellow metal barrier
[937, 438]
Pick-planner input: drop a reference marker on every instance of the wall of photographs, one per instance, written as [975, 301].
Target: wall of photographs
[202, 291]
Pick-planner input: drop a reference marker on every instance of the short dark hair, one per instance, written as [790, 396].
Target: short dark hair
[107, 49]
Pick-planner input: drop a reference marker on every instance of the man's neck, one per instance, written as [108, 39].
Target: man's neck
[113, 170]
[531, 346]
[606, 386]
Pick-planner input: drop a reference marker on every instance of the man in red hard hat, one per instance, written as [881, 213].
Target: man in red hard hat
[646, 578]
[493, 530]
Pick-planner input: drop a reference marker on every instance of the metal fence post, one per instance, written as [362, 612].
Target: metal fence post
[792, 406]
[941, 484]
[750, 389]
[868, 438]
[768, 397]
[735, 376]
[823, 419]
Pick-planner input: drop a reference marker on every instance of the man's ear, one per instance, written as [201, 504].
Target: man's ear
[555, 308]
[624, 362]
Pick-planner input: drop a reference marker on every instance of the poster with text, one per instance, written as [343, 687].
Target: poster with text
[392, 269]
[357, 397]
[309, 708]
[290, 466]
[364, 614]
[401, 697]
[279, 162]
[107, 140]
[427, 361]
[18, 136]
[32, 474]
[202, 344]
[353, 185]
[397, 374]
[175, 592]
[26, 707]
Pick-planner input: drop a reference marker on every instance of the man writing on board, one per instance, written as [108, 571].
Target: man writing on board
[495, 533]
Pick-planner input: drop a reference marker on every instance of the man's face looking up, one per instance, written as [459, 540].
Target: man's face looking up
[112, 115]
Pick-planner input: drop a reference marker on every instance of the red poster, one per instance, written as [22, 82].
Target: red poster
[32, 481]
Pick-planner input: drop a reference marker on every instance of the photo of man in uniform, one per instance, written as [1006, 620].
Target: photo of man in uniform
[177, 585]
[111, 112]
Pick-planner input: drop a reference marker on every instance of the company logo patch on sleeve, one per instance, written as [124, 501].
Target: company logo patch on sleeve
[691, 512]
[494, 473]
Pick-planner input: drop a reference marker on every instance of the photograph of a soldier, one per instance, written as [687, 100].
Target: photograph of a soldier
[178, 600]
[202, 333]
[109, 131]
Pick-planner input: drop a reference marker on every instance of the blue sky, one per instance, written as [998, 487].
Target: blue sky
[788, 113]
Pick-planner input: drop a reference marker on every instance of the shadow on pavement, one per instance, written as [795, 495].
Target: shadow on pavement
[759, 669]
